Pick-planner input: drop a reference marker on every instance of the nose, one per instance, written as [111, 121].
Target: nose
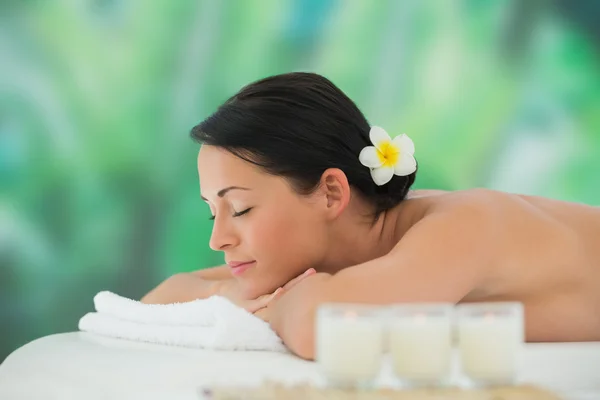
[222, 236]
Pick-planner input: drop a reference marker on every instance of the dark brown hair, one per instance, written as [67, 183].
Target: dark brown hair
[297, 125]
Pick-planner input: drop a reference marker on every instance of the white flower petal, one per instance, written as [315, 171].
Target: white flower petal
[405, 144]
[378, 135]
[382, 175]
[406, 165]
[369, 158]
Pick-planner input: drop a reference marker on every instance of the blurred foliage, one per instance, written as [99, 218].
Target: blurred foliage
[98, 181]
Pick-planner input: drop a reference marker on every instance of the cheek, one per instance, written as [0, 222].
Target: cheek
[287, 238]
[267, 239]
[272, 234]
[285, 246]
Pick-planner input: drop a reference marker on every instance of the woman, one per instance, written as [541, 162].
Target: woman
[311, 204]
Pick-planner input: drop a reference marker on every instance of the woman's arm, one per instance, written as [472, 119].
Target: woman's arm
[441, 259]
[214, 273]
[188, 286]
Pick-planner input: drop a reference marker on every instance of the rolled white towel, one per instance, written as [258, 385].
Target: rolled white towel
[213, 323]
[199, 312]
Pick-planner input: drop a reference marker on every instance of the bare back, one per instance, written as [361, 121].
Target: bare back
[547, 256]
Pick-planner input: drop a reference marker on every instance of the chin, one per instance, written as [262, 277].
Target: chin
[252, 289]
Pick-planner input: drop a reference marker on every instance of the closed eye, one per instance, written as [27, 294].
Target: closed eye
[236, 214]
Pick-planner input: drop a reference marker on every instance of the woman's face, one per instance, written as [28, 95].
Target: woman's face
[268, 233]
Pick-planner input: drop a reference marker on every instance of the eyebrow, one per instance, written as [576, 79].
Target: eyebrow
[223, 192]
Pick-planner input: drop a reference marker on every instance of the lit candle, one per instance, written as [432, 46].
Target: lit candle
[490, 339]
[420, 338]
[349, 343]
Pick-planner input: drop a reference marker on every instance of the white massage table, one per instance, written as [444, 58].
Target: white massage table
[80, 365]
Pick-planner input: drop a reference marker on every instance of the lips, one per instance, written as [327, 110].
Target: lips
[239, 267]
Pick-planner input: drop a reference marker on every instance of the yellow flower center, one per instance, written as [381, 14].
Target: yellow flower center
[388, 154]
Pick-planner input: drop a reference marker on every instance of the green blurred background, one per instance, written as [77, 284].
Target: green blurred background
[98, 176]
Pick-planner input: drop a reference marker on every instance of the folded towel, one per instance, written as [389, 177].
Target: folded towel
[199, 312]
[213, 323]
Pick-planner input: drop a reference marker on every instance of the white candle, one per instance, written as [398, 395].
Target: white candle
[349, 343]
[421, 343]
[490, 340]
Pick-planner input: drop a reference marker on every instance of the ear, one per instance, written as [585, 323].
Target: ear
[334, 185]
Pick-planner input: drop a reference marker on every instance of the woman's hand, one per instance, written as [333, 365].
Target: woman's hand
[231, 291]
[291, 313]
[258, 306]
[262, 307]
[186, 287]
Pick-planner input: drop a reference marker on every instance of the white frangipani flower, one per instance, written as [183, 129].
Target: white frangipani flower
[388, 156]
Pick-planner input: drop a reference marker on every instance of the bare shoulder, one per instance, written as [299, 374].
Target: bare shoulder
[444, 254]
[498, 215]
[520, 211]
[459, 225]
[506, 224]
[487, 230]
[455, 208]
[458, 199]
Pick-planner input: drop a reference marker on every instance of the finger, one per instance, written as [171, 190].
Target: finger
[276, 295]
[299, 278]
[255, 305]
